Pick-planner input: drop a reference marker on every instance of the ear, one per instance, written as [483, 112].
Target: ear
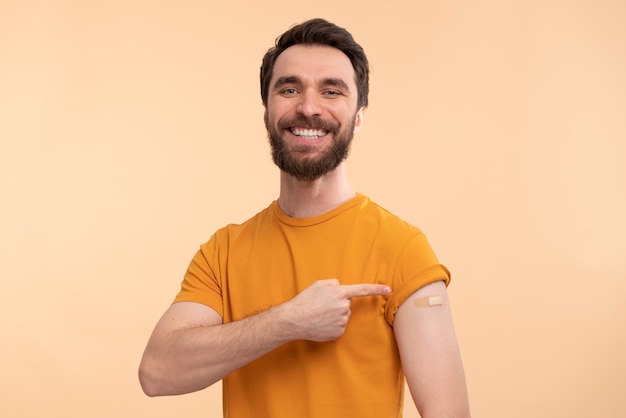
[265, 118]
[358, 119]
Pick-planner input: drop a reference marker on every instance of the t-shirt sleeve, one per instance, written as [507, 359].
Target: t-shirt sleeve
[201, 283]
[417, 266]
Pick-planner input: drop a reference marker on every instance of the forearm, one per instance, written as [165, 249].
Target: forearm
[189, 359]
[191, 349]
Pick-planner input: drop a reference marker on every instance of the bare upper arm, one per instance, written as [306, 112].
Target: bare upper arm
[159, 375]
[430, 354]
[419, 326]
[187, 315]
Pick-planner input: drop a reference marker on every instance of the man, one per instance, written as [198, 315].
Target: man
[322, 303]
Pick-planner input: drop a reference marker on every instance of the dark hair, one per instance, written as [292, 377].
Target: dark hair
[319, 32]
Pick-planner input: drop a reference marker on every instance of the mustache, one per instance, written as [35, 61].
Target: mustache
[310, 123]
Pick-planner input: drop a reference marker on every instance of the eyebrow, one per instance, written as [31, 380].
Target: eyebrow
[336, 82]
[289, 79]
[292, 79]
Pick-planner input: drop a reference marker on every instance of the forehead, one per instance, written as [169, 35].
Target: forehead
[314, 63]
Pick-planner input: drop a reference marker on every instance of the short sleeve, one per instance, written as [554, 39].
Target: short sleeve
[417, 266]
[201, 283]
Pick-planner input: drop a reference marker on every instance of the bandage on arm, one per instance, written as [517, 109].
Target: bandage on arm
[430, 301]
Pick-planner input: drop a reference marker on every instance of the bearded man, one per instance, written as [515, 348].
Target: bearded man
[322, 304]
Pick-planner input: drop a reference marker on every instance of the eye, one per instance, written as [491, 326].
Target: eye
[289, 91]
[332, 93]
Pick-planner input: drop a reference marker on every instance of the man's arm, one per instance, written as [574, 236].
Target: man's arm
[430, 354]
[190, 348]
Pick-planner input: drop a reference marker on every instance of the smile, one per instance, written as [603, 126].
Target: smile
[308, 133]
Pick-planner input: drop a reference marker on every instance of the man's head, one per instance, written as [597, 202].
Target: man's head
[319, 32]
[314, 86]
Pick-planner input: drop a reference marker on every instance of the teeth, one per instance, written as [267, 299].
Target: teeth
[308, 133]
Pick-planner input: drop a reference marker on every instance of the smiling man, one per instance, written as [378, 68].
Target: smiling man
[314, 110]
[324, 302]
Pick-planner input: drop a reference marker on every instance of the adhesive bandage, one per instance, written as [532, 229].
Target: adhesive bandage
[430, 301]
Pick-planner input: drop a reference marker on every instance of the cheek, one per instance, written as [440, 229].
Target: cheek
[273, 113]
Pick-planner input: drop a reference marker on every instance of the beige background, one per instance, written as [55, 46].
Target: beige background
[131, 130]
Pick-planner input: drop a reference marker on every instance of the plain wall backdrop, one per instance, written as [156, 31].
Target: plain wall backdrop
[131, 130]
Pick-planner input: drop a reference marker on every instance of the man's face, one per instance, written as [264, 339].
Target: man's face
[311, 113]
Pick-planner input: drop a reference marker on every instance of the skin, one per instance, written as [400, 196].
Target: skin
[430, 356]
[191, 348]
[313, 97]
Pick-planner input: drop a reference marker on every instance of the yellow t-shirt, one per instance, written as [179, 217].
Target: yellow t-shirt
[247, 268]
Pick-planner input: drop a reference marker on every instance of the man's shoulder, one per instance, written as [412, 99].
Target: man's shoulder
[387, 218]
[261, 217]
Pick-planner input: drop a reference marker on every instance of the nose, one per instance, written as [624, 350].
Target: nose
[309, 104]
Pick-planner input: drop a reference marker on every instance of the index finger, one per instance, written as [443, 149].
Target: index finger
[365, 289]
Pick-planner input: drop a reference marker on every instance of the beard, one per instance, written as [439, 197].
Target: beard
[294, 162]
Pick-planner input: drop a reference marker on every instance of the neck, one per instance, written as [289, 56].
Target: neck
[305, 199]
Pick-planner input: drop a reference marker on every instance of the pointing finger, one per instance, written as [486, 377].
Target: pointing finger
[365, 289]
